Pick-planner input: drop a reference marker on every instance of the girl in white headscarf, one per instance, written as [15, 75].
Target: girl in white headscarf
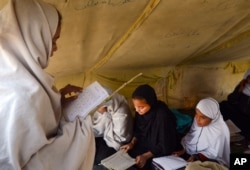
[113, 126]
[208, 138]
[33, 132]
[237, 105]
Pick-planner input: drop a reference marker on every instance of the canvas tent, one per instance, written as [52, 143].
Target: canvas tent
[186, 49]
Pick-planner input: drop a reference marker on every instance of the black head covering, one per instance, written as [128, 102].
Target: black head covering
[156, 129]
[145, 92]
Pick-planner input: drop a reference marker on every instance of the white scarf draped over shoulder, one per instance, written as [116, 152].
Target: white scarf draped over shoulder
[30, 112]
[115, 125]
[213, 140]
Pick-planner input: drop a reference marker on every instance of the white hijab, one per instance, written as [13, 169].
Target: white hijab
[30, 112]
[115, 125]
[22, 54]
[246, 89]
[212, 140]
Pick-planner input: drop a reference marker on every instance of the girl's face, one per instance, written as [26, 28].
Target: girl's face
[201, 119]
[248, 79]
[55, 38]
[141, 106]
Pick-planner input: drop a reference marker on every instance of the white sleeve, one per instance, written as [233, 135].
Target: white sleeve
[120, 129]
[100, 123]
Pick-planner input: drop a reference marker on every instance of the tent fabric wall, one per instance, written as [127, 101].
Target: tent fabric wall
[181, 87]
[186, 49]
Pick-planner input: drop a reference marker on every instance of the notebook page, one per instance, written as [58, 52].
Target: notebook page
[87, 100]
[170, 162]
[118, 161]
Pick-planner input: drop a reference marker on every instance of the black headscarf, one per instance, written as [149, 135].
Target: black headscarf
[145, 92]
[156, 129]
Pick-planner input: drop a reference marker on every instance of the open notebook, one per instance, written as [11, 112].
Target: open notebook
[118, 161]
[169, 163]
[89, 100]
[91, 97]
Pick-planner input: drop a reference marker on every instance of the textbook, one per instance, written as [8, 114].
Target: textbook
[169, 163]
[87, 101]
[118, 161]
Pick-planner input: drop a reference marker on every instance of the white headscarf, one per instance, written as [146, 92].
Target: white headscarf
[246, 89]
[115, 125]
[212, 140]
[22, 55]
[30, 106]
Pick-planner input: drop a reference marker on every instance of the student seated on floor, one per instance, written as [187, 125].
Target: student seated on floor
[208, 138]
[237, 105]
[113, 126]
[155, 131]
[34, 133]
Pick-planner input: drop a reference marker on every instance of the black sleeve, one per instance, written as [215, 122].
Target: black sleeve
[234, 97]
[166, 133]
[136, 132]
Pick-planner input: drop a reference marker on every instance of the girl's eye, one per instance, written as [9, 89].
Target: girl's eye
[205, 118]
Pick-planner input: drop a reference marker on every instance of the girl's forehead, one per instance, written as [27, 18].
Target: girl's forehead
[140, 101]
[198, 112]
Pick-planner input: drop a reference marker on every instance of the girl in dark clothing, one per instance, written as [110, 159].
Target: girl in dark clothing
[237, 106]
[155, 132]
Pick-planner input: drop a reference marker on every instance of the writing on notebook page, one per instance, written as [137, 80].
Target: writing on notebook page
[87, 100]
[118, 161]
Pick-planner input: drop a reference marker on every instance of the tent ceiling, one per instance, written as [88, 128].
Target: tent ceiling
[103, 35]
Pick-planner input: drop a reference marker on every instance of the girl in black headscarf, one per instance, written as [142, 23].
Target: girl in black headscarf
[155, 132]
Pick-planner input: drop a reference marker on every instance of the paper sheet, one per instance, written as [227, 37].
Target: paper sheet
[170, 162]
[89, 99]
[118, 161]
[233, 129]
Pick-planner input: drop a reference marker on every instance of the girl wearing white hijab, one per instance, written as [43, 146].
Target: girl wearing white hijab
[237, 105]
[208, 138]
[113, 126]
[32, 129]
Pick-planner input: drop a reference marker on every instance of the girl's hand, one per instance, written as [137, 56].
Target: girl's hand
[69, 93]
[127, 147]
[141, 161]
[102, 110]
[191, 159]
[178, 153]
